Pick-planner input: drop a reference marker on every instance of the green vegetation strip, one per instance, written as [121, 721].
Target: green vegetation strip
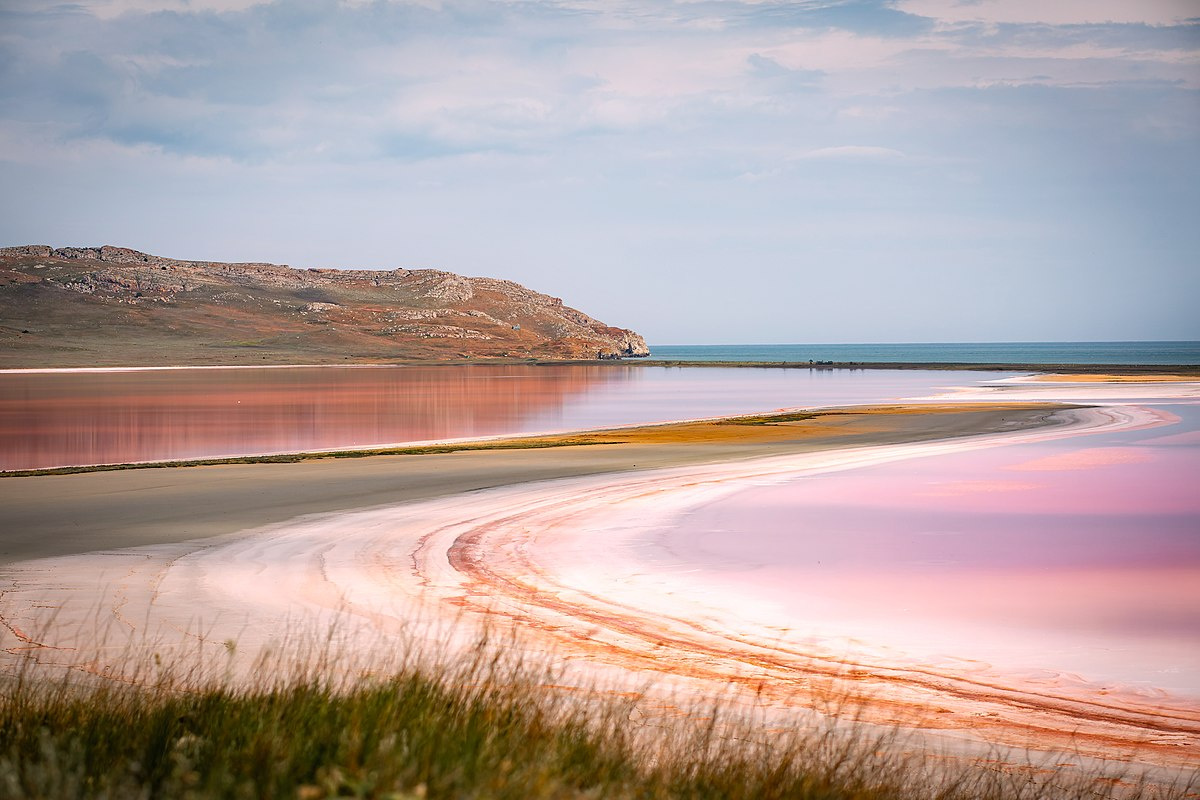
[774, 419]
[291, 458]
[483, 732]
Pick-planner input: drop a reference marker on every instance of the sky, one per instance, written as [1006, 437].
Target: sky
[702, 171]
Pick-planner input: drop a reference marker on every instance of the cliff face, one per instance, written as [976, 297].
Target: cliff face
[88, 306]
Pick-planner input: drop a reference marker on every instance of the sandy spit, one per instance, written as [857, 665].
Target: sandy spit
[51, 515]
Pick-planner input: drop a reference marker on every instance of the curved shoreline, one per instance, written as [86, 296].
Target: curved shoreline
[618, 434]
[501, 558]
[114, 443]
[89, 510]
[63, 424]
[464, 563]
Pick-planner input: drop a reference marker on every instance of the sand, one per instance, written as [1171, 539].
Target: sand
[1109, 378]
[1034, 388]
[51, 515]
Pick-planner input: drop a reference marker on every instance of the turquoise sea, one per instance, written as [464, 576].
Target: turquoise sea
[1179, 353]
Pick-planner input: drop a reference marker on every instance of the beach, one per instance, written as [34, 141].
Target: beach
[542, 541]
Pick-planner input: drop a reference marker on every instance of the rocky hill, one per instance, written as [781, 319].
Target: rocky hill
[98, 306]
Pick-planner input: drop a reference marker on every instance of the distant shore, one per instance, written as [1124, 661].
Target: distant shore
[1184, 371]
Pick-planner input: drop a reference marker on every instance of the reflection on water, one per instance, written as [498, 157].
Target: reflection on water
[109, 417]
[66, 418]
[1077, 555]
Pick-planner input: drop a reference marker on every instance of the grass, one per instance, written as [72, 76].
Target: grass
[485, 727]
[774, 419]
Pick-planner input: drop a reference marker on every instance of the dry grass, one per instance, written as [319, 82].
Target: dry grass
[484, 725]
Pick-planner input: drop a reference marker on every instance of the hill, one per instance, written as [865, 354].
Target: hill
[112, 306]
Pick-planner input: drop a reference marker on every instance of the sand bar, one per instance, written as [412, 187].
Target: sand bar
[51, 515]
[1113, 378]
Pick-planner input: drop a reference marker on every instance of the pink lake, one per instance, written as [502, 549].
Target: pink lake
[1078, 556]
[62, 418]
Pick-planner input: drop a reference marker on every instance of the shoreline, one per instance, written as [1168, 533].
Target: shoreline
[89, 509]
[541, 562]
[620, 434]
[1182, 371]
[1185, 371]
[457, 561]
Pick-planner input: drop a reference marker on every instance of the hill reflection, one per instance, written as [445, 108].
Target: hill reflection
[56, 419]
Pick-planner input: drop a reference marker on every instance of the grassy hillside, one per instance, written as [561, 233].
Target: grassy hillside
[112, 306]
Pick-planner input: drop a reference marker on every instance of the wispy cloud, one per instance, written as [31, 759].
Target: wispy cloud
[851, 151]
[1060, 12]
[343, 80]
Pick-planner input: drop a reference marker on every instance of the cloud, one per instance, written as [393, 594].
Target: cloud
[868, 17]
[1059, 12]
[328, 80]
[853, 152]
[108, 9]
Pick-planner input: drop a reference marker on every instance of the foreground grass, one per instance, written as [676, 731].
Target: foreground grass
[407, 737]
[485, 730]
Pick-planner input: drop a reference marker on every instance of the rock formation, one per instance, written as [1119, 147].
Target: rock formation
[82, 306]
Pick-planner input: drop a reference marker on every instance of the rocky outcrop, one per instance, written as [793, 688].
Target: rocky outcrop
[35, 250]
[50, 294]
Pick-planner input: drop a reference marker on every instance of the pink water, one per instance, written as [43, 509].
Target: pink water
[1078, 556]
[65, 418]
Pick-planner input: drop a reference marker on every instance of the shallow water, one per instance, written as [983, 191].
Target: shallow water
[52, 419]
[1077, 556]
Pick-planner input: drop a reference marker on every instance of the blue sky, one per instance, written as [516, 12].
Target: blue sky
[700, 171]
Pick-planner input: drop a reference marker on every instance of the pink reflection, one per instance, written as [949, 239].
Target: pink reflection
[987, 482]
[1088, 458]
[64, 418]
[1190, 438]
[961, 488]
[1093, 568]
[52, 419]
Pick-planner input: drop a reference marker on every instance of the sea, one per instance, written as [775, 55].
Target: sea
[1173, 353]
